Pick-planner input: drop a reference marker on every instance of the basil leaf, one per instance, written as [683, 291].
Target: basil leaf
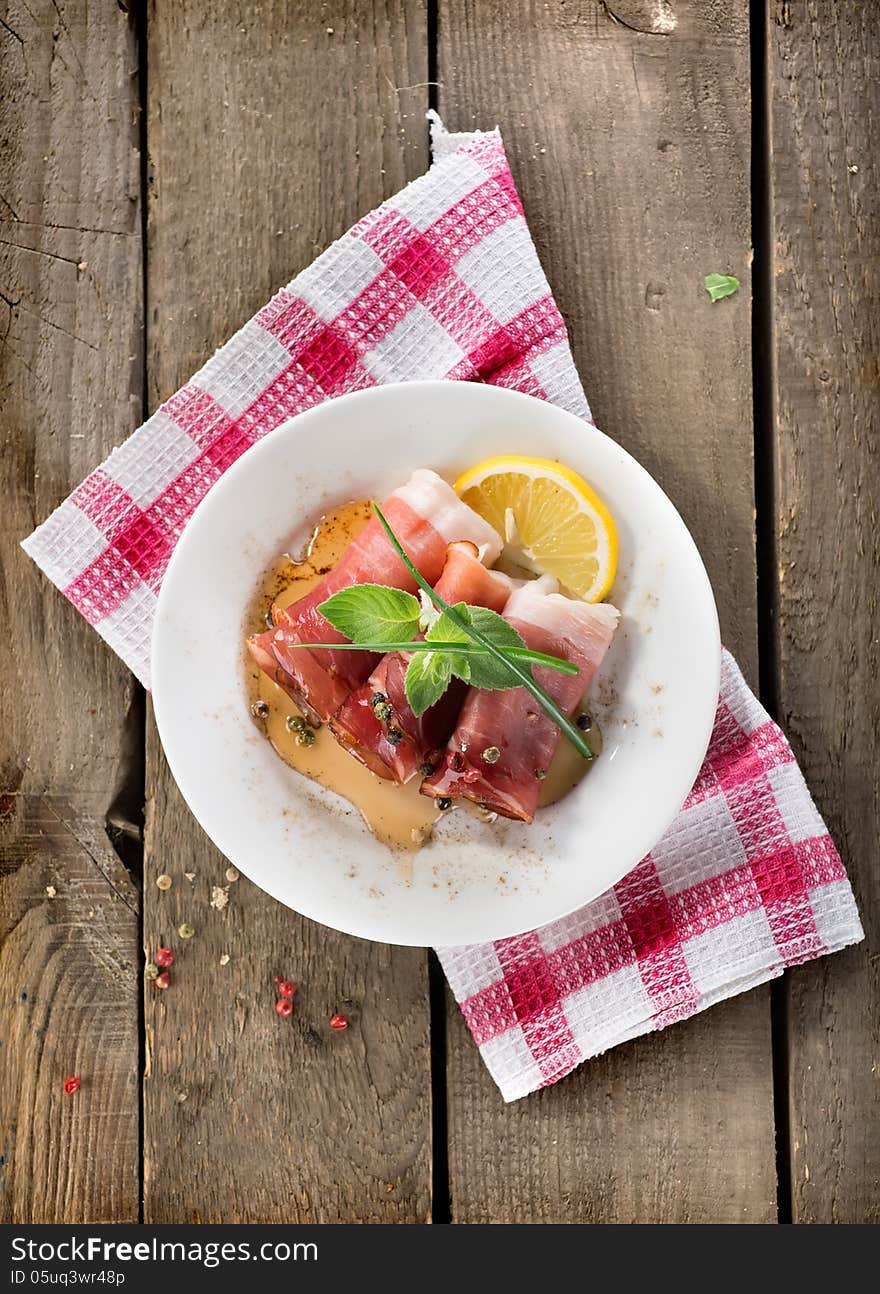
[373, 613]
[427, 678]
[720, 285]
[484, 670]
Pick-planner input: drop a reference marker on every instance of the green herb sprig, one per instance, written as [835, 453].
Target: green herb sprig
[468, 642]
[720, 286]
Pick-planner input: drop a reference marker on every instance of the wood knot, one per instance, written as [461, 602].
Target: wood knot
[654, 294]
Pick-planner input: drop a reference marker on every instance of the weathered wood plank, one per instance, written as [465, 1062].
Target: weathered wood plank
[270, 131]
[70, 377]
[823, 76]
[631, 149]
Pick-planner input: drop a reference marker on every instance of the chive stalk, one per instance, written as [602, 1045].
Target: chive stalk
[521, 653]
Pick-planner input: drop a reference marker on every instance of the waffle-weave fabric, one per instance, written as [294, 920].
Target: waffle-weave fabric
[745, 883]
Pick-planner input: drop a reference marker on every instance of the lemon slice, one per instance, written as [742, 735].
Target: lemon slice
[551, 520]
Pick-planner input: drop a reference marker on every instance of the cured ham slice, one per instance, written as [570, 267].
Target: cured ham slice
[426, 515]
[387, 736]
[510, 725]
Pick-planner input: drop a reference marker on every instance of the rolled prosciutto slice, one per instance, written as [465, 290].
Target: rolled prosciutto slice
[426, 515]
[375, 724]
[504, 743]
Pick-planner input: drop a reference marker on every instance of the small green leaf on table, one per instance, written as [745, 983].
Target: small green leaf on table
[720, 285]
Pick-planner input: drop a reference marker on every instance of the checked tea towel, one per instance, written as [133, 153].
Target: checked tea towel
[745, 882]
[443, 281]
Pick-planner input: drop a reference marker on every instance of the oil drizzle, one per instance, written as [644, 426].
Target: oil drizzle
[568, 767]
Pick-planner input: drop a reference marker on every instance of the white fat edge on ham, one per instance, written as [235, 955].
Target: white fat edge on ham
[504, 582]
[431, 498]
[589, 626]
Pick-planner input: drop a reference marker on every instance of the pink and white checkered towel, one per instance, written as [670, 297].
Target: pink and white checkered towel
[745, 882]
[443, 280]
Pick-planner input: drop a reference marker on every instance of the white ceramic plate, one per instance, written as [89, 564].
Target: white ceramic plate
[654, 698]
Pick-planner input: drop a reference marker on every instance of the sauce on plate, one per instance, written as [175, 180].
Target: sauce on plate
[397, 815]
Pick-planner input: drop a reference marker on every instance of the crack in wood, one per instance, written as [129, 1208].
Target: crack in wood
[12, 32]
[39, 251]
[91, 853]
[21, 304]
[73, 49]
[8, 204]
[12, 351]
[75, 229]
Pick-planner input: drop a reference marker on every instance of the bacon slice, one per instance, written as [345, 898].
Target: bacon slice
[512, 721]
[400, 745]
[426, 515]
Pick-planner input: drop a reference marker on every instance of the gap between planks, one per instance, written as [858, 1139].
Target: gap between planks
[765, 518]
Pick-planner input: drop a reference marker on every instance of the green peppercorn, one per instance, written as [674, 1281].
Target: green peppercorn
[295, 723]
[491, 755]
[540, 773]
[383, 711]
[395, 736]
[306, 737]
[260, 710]
[377, 698]
[186, 931]
[427, 768]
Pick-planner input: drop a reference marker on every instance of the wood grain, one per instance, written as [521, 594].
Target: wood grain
[631, 150]
[271, 129]
[70, 382]
[823, 62]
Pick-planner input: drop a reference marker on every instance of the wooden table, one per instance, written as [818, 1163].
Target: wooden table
[163, 168]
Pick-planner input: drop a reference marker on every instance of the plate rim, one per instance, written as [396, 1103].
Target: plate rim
[301, 421]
